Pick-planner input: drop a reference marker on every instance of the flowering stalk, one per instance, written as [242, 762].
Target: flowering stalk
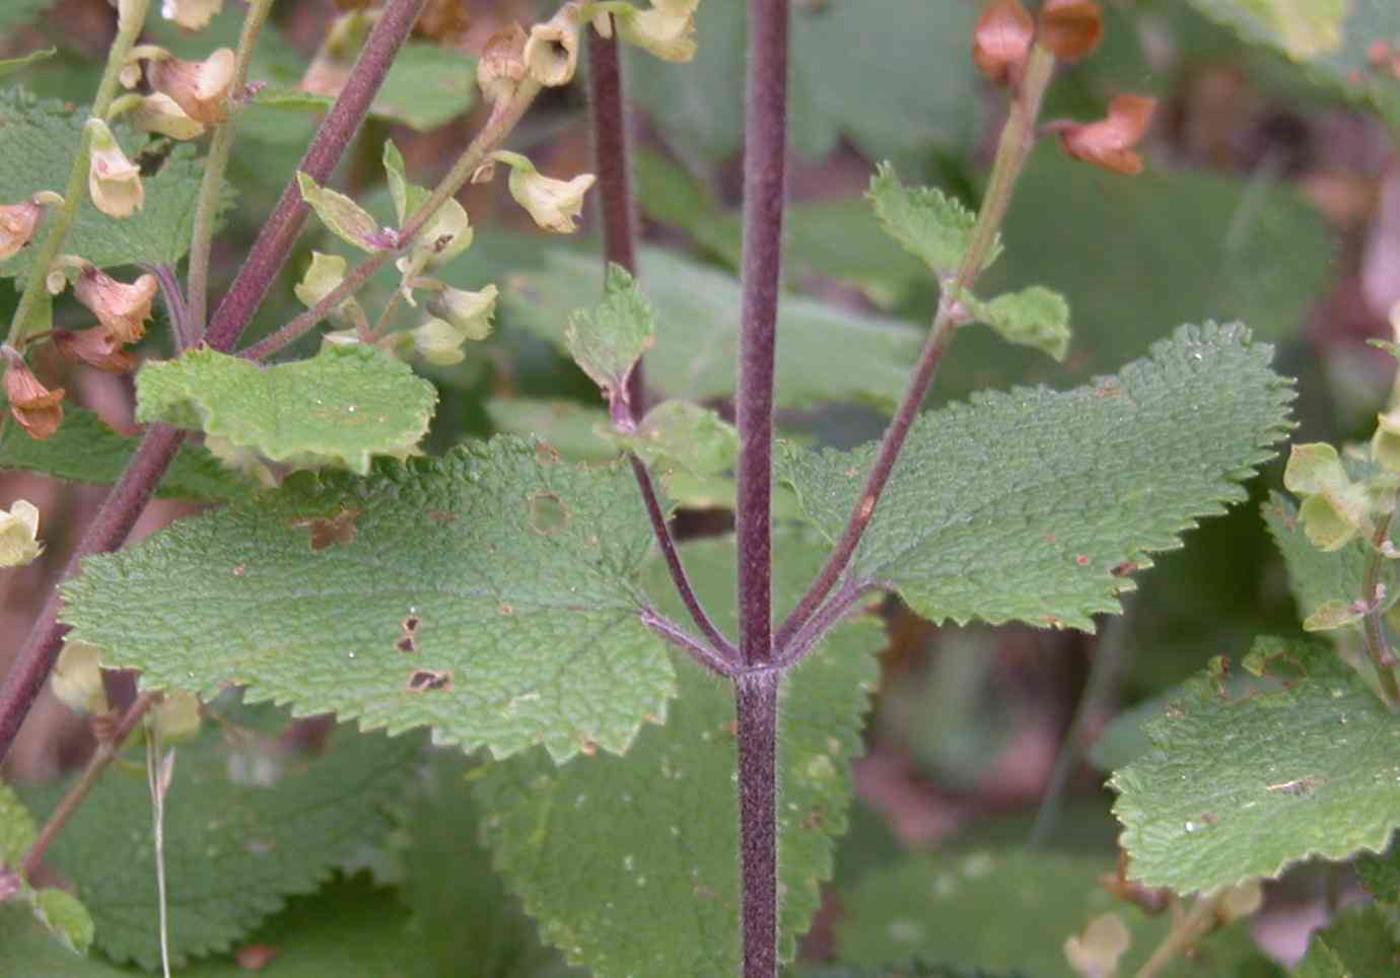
[127, 499]
[212, 183]
[130, 20]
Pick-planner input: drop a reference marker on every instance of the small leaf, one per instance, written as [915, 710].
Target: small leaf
[340, 407]
[608, 340]
[927, 223]
[17, 829]
[1036, 317]
[1274, 774]
[1358, 943]
[1333, 615]
[491, 595]
[64, 915]
[10, 65]
[683, 435]
[344, 218]
[1036, 506]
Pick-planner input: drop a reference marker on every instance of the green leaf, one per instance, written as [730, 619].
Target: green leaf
[1241, 784]
[1359, 943]
[407, 197]
[823, 354]
[1010, 911]
[1380, 875]
[344, 218]
[349, 928]
[66, 917]
[340, 407]
[464, 921]
[246, 825]
[428, 86]
[492, 595]
[1035, 317]
[17, 829]
[928, 224]
[683, 435]
[1319, 578]
[654, 833]
[608, 340]
[577, 432]
[1331, 38]
[11, 65]
[86, 450]
[896, 76]
[1035, 505]
[38, 140]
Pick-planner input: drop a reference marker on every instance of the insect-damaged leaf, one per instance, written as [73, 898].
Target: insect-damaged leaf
[491, 595]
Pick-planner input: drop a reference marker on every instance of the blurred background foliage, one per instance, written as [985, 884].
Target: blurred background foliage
[1271, 196]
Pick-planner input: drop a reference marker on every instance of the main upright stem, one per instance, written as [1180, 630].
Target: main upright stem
[756, 689]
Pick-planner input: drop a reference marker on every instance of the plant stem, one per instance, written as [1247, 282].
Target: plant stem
[274, 243]
[182, 331]
[1197, 923]
[756, 703]
[702, 653]
[106, 752]
[504, 116]
[846, 598]
[154, 454]
[61, 220]
[1017, 139]
[756, 687]
[1378, 648]
[212, 184]
[765, 165]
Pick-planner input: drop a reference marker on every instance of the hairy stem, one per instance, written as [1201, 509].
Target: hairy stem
[698, 650]
[756, 689]
[212, 183]
[1017, 139]
[153, 456]
[504, 117]
[106, 752]
[274, 243]
[1197, 923]
[61, 220]
[1378, 648]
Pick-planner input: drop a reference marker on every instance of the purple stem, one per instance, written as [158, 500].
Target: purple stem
[698, 650]
[756, 689]
[126, 500]
[174, 297]
[612, 154]
[826, 618]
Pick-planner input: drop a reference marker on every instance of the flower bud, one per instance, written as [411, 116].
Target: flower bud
[161, 114]
[1385, 444]
[177, 716]
[19, 534]
[192, 15]
[245, 461]
[96, 347]
[77, 679]
[113, 180]
[554, 204]
[18, 222]
[201, 88]
[468, 312]
[1071, 29]
[502, 64]
[1096, 951]
[438, 342]
[322, 276]
[122, 309]
[1108, 143]
[1001, 42]
[667, 31]
[38, 410]
[551, 51]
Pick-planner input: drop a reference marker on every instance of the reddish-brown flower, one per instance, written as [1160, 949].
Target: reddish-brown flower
[122, 309]
[96, 347]
[18, 222]
[201, 88]
[1001, 42]
[38, 410]
[1070, 28]
[1109, 142]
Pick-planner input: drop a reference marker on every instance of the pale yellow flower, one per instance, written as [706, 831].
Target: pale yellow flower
[113, 180]
[19, 534]
[77, 678]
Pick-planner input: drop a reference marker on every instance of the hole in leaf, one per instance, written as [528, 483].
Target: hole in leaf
[423, 680]
[548, 514]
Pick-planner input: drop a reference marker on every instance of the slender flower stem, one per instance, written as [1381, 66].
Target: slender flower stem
[504, 117]
[1017, 139]
[1197, 923]
[156, 451]
[845, 599]
[1378, 648]
[182, 330]
[274, 243]
[61, 220]
[106, 752]
[212, 183]
[756, 688]
[765, 167]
